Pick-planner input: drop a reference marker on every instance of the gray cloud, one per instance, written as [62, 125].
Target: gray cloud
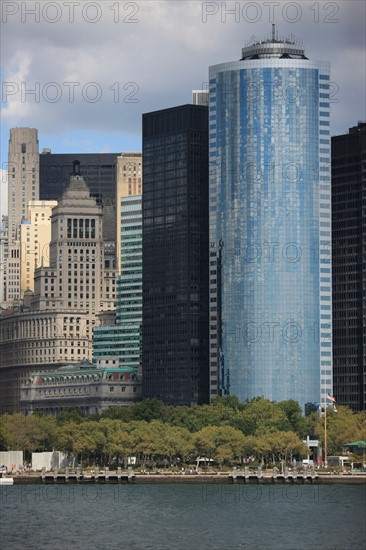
[166, 54]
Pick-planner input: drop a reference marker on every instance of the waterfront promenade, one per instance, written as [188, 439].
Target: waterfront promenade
[114, 477]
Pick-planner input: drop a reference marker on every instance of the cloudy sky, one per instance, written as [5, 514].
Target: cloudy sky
[95, 67]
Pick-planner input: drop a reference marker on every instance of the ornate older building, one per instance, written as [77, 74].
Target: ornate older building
[99, 171]
[54, 326]
[84, 386]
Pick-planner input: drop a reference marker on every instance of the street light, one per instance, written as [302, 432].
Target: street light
[329, 398]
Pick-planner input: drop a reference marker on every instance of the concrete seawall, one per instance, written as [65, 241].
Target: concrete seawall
[138, 479]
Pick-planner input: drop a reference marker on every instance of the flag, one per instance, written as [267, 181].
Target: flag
[331, 398]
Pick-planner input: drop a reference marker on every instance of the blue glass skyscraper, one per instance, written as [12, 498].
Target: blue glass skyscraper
[270, 232]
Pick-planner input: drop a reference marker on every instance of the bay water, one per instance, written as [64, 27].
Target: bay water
[183, 517]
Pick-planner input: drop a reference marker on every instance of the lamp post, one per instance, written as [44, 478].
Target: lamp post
[329, 398]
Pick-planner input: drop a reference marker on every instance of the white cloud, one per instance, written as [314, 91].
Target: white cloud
[18, 72]
[166, 54]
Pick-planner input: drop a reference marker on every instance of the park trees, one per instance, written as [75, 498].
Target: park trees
[27, 433]
[261, 415]
[225, 431]
[220, 443]
[343, 426]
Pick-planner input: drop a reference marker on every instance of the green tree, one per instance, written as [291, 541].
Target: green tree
[89, 442]
[230, 401]
[221, 443]
[285, 445]
[147, 439]
[184, 417]
[149, 409]
[65, 436]
[294, 415]
[210, 415]
[231, 444]
[118, 441]
[72, 413]
[262, 448]
[260, 416]
[343, 426]
[118, 413]
[178, 442]
[27, 433]
[205, 442]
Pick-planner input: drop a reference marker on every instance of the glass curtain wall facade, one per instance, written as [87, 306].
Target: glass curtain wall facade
[270, 233]
[348, 259]
[175, 255]
[120, 344]
[129, 284]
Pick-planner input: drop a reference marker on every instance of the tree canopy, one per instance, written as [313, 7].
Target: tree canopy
[227, 431]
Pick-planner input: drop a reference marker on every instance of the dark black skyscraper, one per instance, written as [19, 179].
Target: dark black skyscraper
[175, 255]
[349, 276]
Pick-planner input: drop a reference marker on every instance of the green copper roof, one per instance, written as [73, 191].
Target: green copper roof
[358, 444]
[80, 369]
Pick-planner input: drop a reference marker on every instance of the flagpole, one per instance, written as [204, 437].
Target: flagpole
[325, 435]
[331, 398]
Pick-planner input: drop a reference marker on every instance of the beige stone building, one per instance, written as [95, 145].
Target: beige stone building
[23, 186]
[54, 325]
[3, 259]
[129, 182]
[35, 237]
[84, 386]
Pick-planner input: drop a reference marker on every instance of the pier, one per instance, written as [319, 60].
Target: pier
[276, 477]
[234, 477]
[87, 477]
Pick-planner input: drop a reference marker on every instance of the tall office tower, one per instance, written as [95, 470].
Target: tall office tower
[99, 172]
[23, 176]
[3, 258]
[348, 262]
[175, 255]
[54, 325]
[270, 208]
[119, 344]
[23, 186]
[35, 237]
[200, 97]
[117, 341]
[129, 183]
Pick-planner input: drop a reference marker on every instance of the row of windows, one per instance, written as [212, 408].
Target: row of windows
[82, 228]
